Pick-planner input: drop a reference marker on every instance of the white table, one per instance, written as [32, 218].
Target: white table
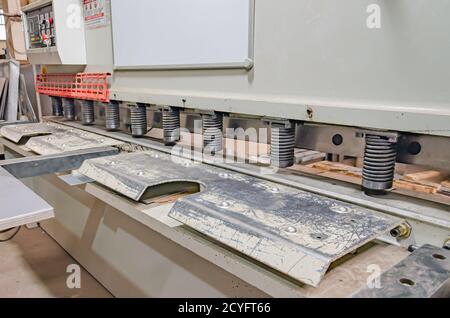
[19, 205]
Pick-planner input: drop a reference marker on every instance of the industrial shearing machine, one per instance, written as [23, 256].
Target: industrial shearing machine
[241, 148]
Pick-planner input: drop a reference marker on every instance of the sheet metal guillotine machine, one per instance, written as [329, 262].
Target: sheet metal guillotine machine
[145, 102]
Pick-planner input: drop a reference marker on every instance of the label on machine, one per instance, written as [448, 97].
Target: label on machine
[96, 13]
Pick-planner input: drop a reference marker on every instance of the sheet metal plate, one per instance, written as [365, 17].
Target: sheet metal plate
[69, 140]
[295, 232]
[15, 132]
[51, 138]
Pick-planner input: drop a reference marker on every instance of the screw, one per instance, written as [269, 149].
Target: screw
[224, 205]
[290, 229]
[401, 231]
[309, 112]
[447, 244]
[341, 209]
[274, 190]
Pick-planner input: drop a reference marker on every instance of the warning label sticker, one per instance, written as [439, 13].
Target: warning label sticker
[96, 13]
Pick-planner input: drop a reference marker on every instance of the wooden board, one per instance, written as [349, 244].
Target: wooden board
[426, 184]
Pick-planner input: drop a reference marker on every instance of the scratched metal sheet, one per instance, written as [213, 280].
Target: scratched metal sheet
[68, 139]
[16, 132]
[295, 232]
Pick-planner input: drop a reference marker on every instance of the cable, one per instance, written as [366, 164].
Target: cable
[12, 236]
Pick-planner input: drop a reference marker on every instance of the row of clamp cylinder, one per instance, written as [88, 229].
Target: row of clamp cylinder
[65, 107]
[379, 155]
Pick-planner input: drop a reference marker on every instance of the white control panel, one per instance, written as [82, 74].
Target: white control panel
[54, 32]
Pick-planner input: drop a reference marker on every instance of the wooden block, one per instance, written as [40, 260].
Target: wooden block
[423, 175]
[304, 157]
[446, 184]
[406, 185]
[337, 167]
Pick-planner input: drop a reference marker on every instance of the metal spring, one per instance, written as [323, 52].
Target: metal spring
[87, 112]
[69, 108]
[112, 116]
[171, 125]
[138, 116]
[212, 126]
[379, 163]
[282, 146]
[57, 106]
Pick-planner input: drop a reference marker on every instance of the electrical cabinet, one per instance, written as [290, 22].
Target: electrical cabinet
[54, 32]
[41, 28]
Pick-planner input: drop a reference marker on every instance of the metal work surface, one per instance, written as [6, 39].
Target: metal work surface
[425, 273]
[295, 232]
[19, 205]
[42, 165]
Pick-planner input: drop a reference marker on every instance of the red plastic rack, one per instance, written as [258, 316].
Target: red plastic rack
[90, 86]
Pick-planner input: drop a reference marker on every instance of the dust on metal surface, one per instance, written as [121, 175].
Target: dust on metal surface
[423, 274]
[295, 232]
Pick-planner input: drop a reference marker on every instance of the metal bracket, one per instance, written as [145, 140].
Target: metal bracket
[392, 136]
[286, 122]
[75, 179]
[295, 232]
[423, 274]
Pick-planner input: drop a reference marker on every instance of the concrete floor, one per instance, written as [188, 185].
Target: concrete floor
[34, 265]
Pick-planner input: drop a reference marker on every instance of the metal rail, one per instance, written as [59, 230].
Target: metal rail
[42, 165]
